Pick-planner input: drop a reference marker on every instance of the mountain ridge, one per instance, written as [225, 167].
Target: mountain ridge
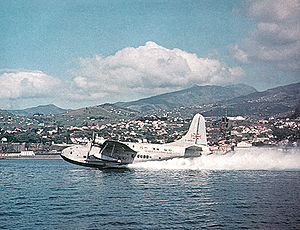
[195, 95]
[279, 101]
[40, 109]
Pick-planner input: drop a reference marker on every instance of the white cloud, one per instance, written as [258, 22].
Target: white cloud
[275, 10]
[146, 70]
[237, 72]
[240, 55]
[276, 39]
[25, 84]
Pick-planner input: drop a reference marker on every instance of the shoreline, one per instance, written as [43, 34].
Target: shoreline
[36, 157]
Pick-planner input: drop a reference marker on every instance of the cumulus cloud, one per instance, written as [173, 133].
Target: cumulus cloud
[147, 70]
[276, 39]
[25, 84]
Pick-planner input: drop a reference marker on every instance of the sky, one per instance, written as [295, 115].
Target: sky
[78, 53]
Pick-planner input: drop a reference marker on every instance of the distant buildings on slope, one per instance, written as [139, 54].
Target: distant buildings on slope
[226, 132]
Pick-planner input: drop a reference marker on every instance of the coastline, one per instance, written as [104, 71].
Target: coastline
[36, 157]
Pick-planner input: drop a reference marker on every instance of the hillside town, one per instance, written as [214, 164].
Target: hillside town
[42, 136]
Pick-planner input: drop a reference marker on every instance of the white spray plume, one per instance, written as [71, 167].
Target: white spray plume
[246, 159]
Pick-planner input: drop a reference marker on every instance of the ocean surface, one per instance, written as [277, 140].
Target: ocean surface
[252, 189]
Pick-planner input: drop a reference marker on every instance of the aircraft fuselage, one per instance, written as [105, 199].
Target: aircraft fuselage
[114, 153]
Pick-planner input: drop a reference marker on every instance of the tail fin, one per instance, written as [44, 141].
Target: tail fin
[196, 134]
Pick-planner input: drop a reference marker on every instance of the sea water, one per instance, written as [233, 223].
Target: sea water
[251, 189]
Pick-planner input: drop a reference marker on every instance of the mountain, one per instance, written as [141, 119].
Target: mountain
[93, 115]
[208, 100]
[196, 95]
[4, 114]
[279, 101]
[41, 109]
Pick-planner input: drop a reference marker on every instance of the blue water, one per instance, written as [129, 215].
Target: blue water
[53, 194]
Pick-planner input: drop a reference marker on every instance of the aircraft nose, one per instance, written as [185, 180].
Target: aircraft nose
[65, 152]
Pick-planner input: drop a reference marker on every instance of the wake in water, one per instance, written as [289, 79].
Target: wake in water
[246, 159]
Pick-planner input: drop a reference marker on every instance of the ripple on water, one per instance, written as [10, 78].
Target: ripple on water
[57, 195]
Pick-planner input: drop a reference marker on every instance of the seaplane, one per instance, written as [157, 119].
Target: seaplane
[111, 153]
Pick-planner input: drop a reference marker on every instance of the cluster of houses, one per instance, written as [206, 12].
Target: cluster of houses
[226, 133]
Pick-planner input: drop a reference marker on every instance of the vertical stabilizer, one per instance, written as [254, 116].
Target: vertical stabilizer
[196, 134]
